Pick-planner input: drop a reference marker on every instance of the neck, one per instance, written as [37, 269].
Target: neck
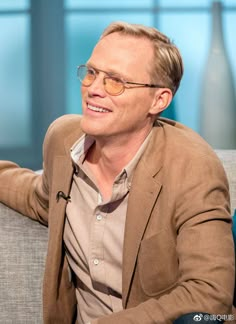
[107, 157]
[113, 155]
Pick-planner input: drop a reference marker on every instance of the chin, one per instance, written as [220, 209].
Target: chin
[90, 128]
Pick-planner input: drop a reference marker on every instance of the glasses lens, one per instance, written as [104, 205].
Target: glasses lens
[86, 75]
[113, 86]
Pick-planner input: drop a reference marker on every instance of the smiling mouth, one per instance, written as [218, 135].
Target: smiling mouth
[97, 109]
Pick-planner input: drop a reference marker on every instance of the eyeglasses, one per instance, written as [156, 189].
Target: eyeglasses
[113, 85]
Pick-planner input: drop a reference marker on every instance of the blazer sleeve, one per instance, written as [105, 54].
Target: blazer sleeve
[23, 189]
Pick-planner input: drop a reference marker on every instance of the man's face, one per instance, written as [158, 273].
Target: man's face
[128, 113]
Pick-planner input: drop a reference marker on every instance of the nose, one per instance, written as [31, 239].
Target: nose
[97, 87]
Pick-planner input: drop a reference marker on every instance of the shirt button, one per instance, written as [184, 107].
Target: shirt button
[96, 261]
[99, 217]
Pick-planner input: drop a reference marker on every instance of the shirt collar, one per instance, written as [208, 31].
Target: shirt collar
[82, 145]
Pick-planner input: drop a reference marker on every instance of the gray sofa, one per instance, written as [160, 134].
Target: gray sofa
[23, 251]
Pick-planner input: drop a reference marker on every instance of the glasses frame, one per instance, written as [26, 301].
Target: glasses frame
[121, 80]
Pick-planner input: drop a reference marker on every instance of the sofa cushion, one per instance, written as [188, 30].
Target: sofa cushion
[23, 252]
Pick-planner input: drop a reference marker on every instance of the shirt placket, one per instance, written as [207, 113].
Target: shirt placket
[97, 265]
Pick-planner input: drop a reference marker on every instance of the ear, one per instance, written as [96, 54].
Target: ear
[161, 100]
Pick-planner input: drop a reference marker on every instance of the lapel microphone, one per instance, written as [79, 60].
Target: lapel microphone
[62, 195]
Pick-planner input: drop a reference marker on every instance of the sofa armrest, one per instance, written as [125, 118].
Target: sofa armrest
[23, 246]
[228, 159]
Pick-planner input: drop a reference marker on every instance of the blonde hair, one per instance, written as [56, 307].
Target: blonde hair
[167, 67]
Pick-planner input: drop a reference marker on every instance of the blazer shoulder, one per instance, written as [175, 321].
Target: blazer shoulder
[182, 139]
[64, 124]
[61, 129]
[183, 145]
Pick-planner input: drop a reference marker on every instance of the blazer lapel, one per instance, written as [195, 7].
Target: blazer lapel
[62, 178]
[63, 174]
[144, 192]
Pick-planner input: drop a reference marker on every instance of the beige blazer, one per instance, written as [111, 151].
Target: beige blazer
[178, 250]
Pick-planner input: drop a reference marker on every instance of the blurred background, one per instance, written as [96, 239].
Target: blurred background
[42, 43]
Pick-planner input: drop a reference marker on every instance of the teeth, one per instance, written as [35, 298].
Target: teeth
[98, 109]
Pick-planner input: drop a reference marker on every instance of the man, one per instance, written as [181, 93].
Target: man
[137, 206]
